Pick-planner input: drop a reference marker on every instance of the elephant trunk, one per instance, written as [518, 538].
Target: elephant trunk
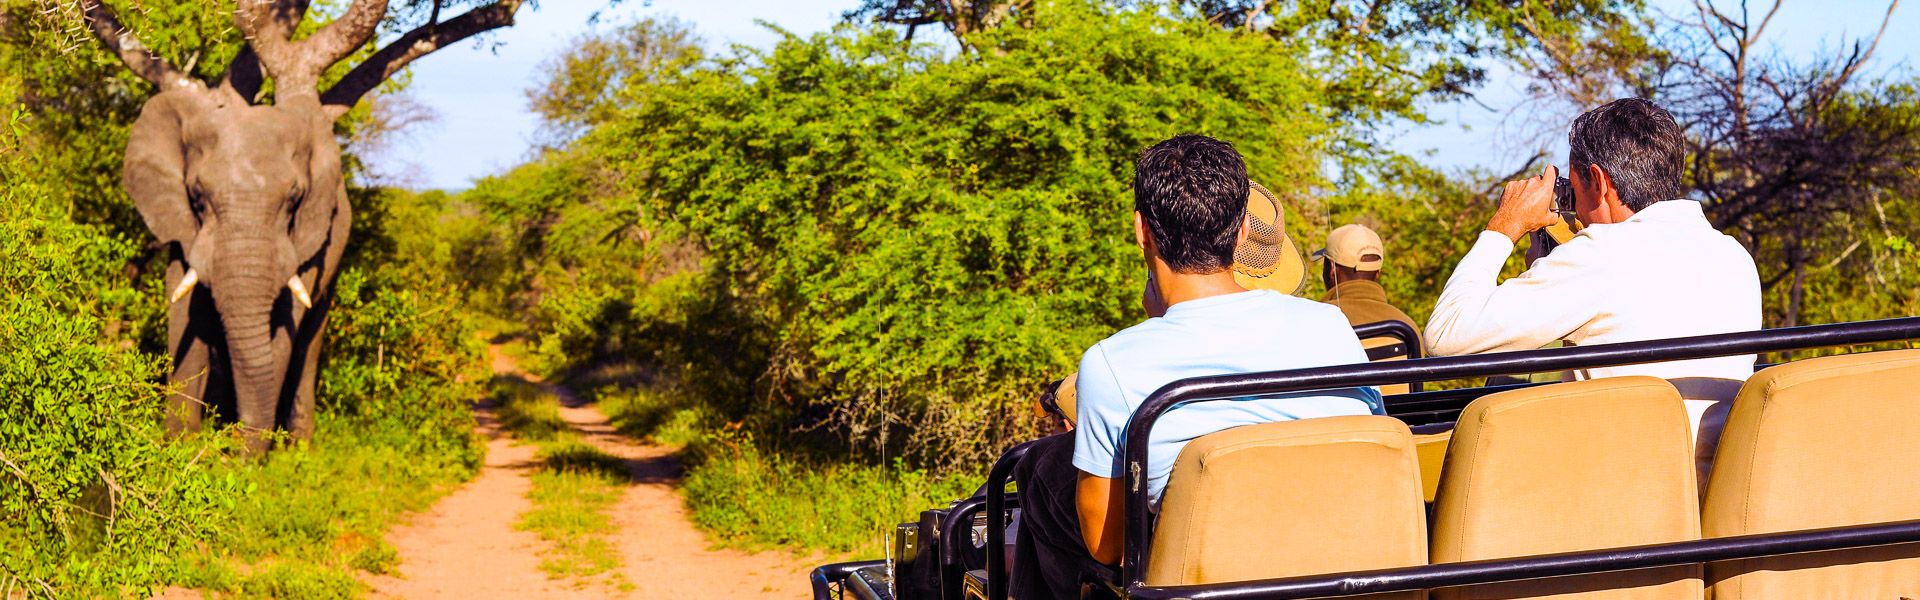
[249, 281]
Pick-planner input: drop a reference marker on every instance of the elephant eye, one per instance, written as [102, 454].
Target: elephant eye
[197, 199]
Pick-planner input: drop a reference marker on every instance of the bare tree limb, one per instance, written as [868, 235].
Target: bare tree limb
[1754, 35]
[268, 27]
[1254, 14]
[338, 39]
[118, 39]
[245, 76]
[413, 45]
[1853, 65]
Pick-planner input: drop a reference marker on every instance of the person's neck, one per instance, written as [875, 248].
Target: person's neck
[1181, 287]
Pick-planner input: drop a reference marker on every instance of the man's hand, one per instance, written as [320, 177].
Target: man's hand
[1526, 205]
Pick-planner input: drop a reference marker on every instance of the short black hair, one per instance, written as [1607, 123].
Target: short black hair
[1192, 192]
[1639, 146]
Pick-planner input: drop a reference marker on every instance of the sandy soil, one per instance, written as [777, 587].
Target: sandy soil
[465, 547]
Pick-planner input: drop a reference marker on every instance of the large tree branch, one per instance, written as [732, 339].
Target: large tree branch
[338, 39]
[118, 39]
[245, 75]
[413, 45]
[268, 27]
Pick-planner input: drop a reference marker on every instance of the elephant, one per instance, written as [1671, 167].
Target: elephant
[248, 199]
[250, 207]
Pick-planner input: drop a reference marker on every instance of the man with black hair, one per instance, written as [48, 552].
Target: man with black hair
[1648, 265]
[1191, 195]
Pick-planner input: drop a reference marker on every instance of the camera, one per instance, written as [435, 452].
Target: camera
[1545, 240]
[1563, 197]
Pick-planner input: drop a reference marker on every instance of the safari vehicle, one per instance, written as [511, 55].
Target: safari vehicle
[1569, 490]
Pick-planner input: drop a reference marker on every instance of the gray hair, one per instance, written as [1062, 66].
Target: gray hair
[1637, 144]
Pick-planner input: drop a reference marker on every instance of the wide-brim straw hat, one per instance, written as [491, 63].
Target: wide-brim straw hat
[1268, 260]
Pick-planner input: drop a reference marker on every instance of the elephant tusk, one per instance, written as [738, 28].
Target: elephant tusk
[300, 291]
[185, 287]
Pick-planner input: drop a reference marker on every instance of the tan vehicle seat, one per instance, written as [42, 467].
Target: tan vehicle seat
[1307, 497]
[1572, 466]
[1822, 442]
[1431, 448]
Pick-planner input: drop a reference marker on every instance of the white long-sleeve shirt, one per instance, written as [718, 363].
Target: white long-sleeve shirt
[1665, 272]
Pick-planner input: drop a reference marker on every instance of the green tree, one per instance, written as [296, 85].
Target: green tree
[925, 239]
[579, 92]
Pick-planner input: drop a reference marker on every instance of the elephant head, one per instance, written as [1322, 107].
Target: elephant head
[250, 202]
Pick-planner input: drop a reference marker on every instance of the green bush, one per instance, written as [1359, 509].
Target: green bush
[926, 239]
[91, 501]
[748, 497]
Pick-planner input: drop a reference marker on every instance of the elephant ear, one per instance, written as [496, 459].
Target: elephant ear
[326, 196]
[155, 172]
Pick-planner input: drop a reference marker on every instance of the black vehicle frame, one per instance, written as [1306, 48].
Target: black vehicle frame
[1420, 410]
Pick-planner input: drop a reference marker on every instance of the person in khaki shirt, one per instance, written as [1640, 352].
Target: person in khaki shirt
[1353, 258]
[1350, 267]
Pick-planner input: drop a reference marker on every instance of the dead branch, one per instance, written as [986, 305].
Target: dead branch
[338, 39]
[413, 45]
[1859, 58]
[268, 27]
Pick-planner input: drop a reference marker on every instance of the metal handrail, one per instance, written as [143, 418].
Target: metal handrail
[997, 519]
[825, 577]
[1537, 567]
[1398, 330]
[1132, 460]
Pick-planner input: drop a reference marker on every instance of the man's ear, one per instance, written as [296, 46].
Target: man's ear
[1610, 203]
[1141, 237]
[1246, 220]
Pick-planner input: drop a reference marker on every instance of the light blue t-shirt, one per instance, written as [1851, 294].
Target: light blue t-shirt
[1244, 332]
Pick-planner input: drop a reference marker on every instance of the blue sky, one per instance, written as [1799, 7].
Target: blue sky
[484, 127]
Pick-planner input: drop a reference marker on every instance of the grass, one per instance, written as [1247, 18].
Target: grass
[311, 516]
[658, 416]
[749, 498]
[745, 496]
[573, 491]
[528, 410]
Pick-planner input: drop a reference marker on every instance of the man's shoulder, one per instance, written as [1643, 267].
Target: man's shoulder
[1298, 306]
[1254, 316]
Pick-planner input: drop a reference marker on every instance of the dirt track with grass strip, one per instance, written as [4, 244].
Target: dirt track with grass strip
[467, 547]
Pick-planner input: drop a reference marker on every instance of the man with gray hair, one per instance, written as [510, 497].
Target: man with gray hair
[1647, 264]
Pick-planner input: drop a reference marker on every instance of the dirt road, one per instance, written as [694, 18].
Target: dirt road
[466, 548]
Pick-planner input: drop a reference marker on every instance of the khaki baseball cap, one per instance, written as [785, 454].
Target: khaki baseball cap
[1267, 259]
[1354, 246]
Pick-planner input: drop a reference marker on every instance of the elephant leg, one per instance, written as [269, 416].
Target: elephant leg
[192, 357]
[187, 404]
[307, 360]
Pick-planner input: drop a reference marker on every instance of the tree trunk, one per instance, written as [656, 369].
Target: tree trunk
[1796, 293]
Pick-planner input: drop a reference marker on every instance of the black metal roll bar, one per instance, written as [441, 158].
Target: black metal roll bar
[997, 518]
[1132, 460]
[1536, 567]
[1400, 331]
[825, 577]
